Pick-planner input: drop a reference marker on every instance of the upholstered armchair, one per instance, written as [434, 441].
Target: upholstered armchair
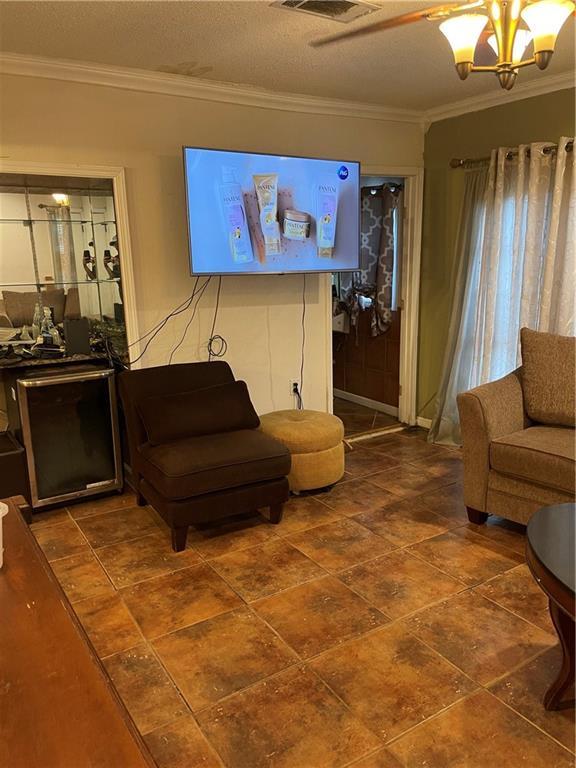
[196, 452]
[518, 434]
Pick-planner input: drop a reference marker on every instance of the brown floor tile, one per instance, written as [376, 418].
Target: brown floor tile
[360, 462]
[131, 561]
[524, 691]
[340, 545]
[466, 556]
[51, 517]
[108, 624]
[222, 655]
[518, 591]
[405, 522]
[356, 424]
[448, 466]
[504, 532]
[104, 504]
[81, 576]
[390, 680]
[388, 439]
[61, 540]
[380, 759]
[406, 480]
[383, 420]
[479, 637]
[358, 418]
[145, 689]
[318, 615]
[236, 534]
[289, 721]
[181, 744]
[399, 583]
[120, 525]
[407, 451]
[176, 600]
[476, 733]
[303, 512]
[447, 501]
[418, 433]
[262, 571]
[357, 496]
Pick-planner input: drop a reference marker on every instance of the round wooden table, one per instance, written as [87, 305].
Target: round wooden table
[550, 556]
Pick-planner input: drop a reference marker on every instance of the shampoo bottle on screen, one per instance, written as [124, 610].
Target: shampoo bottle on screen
[235, 220]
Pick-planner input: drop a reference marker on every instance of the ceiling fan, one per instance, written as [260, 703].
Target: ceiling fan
[508, 26]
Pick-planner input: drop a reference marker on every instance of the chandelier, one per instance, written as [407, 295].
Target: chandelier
[513, 24]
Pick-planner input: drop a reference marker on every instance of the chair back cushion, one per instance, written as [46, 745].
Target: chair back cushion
[548, 365]
[223, 408]
[135, 386]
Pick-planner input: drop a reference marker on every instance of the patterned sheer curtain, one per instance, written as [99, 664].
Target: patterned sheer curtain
[374, 287]
[519, 270]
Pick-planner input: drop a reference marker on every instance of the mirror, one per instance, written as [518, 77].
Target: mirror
[59, 262]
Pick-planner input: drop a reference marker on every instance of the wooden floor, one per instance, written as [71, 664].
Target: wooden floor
[358, 419]
[373, 628]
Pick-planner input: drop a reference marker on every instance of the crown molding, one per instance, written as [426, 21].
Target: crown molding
[228, 93]
[542, 85]
[195, 88]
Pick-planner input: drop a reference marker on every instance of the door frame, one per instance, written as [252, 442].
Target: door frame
[409, 290]
[118, 177]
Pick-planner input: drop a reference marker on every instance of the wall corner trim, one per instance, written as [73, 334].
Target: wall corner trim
[499, 97]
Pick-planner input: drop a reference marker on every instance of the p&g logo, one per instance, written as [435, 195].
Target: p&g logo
[342, 172]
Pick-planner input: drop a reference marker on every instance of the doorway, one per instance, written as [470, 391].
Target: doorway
[367, 315]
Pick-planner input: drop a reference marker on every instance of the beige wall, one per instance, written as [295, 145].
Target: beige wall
[542, 118]
[63, 122]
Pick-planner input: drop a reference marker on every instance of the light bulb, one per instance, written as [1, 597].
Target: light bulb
[521, 42]
[545, 19]
[61, 198]
[463, 32]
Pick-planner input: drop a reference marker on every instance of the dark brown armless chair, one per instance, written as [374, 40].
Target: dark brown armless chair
[196, 452]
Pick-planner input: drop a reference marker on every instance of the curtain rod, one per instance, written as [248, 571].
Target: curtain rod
[550, 149]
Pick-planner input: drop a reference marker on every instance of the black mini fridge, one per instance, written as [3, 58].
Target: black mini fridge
[70, 432]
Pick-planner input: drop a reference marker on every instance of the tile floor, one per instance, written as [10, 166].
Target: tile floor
[374, 627]
[358, 419]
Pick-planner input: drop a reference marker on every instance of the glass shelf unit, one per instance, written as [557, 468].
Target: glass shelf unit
[59, 247]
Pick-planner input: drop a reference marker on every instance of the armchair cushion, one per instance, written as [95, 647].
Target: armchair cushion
[548, 364]
[221, 408]
[208, 463]
[539, 454]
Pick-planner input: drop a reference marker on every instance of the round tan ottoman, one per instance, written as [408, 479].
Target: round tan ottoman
[315, 441]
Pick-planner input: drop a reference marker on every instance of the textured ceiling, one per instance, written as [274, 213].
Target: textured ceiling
[253, 43]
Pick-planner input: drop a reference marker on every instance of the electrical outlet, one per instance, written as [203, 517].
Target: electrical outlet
[294, 386]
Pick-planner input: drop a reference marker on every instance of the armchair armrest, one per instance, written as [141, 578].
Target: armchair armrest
[486, 413]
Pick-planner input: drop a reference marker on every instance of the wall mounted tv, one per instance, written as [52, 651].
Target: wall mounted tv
[260, 214]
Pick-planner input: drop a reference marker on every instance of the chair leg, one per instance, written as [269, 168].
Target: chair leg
[276, 511]
[140, 500]
[475, 516]
[179, 536]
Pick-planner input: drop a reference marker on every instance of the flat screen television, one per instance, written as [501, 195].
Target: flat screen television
[260, 214]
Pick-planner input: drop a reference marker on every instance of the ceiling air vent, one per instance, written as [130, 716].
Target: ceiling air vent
[343, 11]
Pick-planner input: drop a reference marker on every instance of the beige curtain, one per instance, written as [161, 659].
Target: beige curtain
[520, 270]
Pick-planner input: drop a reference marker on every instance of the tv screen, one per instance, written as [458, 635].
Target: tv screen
[258, 214]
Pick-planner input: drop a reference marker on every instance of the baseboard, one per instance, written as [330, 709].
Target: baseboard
[367, 402]
[424, 423]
